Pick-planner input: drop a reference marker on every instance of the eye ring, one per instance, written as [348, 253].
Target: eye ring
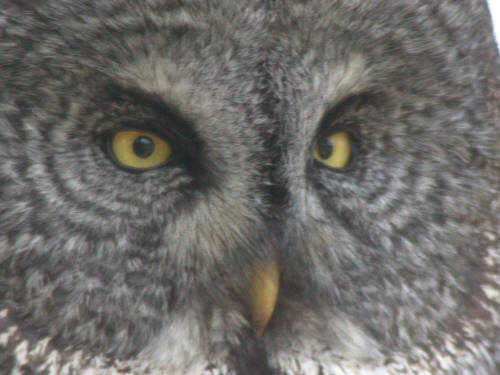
[137, 150]
[334, 151]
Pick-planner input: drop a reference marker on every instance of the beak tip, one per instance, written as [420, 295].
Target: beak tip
[264, 287]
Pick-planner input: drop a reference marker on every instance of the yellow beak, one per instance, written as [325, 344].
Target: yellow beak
[264, 286]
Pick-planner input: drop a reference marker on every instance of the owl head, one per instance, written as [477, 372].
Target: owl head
[252, 187]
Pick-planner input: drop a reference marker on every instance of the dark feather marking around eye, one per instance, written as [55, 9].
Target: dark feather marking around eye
[340, 118]
[332, 119]
[156, 113]
[150, 113]
[275, 187]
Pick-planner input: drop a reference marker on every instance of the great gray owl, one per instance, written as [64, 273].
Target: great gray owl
[249, 187]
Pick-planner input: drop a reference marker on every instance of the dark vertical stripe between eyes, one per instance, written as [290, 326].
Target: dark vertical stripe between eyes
[276, 188]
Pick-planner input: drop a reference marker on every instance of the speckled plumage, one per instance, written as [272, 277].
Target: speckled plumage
[389, 266]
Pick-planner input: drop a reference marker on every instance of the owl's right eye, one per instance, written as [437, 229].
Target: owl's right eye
[138, 150]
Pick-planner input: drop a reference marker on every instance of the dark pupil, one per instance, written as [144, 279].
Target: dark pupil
[143, 146]
[324, 148]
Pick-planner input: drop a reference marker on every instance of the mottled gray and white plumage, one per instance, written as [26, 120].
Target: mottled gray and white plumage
[388, 264]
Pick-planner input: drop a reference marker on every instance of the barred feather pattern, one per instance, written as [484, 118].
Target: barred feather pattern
[390, 265]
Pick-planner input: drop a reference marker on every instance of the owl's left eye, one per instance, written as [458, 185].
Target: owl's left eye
[138, 150]
[333, 151]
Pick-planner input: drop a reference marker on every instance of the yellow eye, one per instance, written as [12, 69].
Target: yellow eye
[333, 151]
[139, 150]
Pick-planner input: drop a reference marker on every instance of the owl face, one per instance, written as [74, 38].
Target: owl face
[195, 187]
